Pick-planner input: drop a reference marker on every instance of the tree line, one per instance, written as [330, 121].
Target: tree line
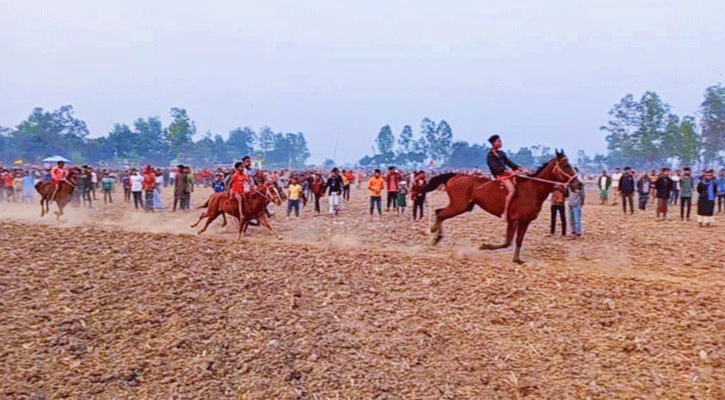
[46, 133]
[645, 133]
[641, 133]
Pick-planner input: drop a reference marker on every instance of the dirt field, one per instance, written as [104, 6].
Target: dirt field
[114, 303]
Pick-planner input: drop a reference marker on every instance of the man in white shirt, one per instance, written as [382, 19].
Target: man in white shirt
[616, 176]
[94, 183]
[675, 195]
[136, 187]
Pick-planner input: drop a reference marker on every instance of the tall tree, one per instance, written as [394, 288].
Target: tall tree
[241, 141]
[385, 140]
[151, 143]
[440, 142]
[427, 136]
[45, 133]
[266, 141]
[625, 119]
[712, 121]
[181, 129]
[405, 141]
[688, 142]
[649, 143]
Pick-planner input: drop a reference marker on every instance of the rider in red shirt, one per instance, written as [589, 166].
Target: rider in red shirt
[58, 174]
[239, 184]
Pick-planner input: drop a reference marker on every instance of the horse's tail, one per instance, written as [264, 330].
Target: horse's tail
[205, 205]
[436, 181]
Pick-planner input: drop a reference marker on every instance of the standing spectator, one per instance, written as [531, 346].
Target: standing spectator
[576, 202]
[107, 187]
[318, 189]
[721, 191]
[126, 182]
[558, 197]
[166, 176]
[626, 190]
[158, 201]
[83, 182]
[94, 182]
[172, 176]
[180, 188]
[28, 188]
[418, 194]
[219, 185]
[392, 180]
[149, 183]
[7, 178]
[663, 186]
[333, 187]
[652, 190]
[345, 186]
[616, 176]
[18, 186]
[686, 186]
[402, 193]
[190, 182]
[360, 178]
[604, 183]
[643, 185]
[136, 187]
[707, 193]
[376, 184]
[294, 192]
[675, 195]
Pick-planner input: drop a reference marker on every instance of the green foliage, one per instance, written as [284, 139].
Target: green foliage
[241, 141]
[181, 129]
[712, 122]
[385, 140]
[405, 141]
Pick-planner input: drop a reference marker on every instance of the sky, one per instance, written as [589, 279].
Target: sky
[535, 72]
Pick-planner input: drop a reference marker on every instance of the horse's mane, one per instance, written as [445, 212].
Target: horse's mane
[541, 169]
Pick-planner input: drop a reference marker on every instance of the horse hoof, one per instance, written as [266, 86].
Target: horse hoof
[519, 261]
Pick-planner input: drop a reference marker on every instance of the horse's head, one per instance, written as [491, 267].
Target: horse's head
[274, 193]
[558, 169]
[73, 173]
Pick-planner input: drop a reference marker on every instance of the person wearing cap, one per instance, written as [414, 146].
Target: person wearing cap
[498, 162]
[239, 184]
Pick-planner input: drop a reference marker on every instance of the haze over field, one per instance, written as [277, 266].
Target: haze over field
[536, 72]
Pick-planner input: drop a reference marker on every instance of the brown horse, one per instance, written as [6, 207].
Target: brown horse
[62, 196]
[255, 207]
[466, 191]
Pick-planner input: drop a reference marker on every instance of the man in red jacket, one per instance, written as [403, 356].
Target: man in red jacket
[392, 182]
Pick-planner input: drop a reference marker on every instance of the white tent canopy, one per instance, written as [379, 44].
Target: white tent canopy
[55, 159]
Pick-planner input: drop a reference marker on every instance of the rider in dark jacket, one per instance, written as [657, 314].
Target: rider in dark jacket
[497, 162]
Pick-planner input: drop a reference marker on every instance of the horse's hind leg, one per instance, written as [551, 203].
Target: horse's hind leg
[42, 207]
[208, 221]
[224, 219]
[202, 216]
[443, 214]
[510, 230]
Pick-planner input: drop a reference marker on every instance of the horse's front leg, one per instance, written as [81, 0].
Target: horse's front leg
[510, 230]
[523, 226]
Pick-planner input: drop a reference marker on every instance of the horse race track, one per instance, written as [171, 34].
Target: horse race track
[118, 304]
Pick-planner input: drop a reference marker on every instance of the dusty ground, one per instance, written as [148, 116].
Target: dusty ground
[118, 304]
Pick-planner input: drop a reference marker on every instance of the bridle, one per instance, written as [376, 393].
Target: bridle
[556, 170]
[270, 193]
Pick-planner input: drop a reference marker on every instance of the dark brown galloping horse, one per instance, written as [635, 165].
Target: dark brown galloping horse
[254, 207]
[466, 191]
[62, 196]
